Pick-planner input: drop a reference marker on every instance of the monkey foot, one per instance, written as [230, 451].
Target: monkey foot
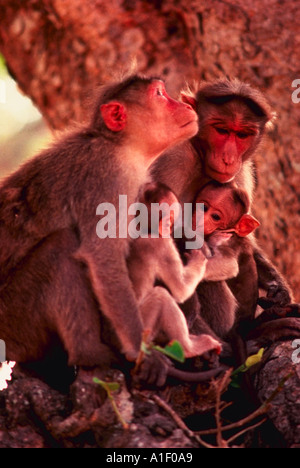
[277, 295]
[86, 395]
[274, 330]
[275, 322]
[290, 312]
[153, 370]
[273, 310]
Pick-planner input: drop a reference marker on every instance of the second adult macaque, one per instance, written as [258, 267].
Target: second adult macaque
[154, 257]
[233, 119]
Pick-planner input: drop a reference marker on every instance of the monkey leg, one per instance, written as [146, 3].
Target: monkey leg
[279, 329]
[272, 311]
[161, 313]
[196, 323]
[275, 322]
[218, 306]
[47, 305]
[272, 281]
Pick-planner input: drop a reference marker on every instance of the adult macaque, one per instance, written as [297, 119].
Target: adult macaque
[55, 272]
[154, 257]
[233, 118]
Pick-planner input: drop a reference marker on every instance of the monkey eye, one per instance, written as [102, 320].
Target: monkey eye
[242, 135]
[216, 217]
[222, 131]
[205, 207]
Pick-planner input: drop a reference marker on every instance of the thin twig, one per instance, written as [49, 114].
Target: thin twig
[163, 404]
[219, 388]
[258, 412]
[231, 439]
[261, 410]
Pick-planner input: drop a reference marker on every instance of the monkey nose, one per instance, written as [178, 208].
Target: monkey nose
[228, 159]
[188, 106]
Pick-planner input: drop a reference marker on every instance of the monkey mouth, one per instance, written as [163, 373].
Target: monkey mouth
[221, 177]
[189, 122]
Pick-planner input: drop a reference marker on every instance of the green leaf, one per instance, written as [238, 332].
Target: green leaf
[235, 382]
[173, 350]
[250, 361]
[254, 359]
[108, 386]
[240, 369]
[113, 386]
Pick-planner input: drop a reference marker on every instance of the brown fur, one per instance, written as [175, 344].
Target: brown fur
[186, 168]
[55, 272]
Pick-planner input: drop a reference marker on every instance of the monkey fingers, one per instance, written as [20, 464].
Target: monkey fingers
[153, 370]
[279, 294]
[276, 330]
[272, 311]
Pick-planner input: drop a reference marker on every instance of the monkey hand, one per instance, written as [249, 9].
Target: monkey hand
[196, 258]
[273, 312]
[153, 369]
[205, 249]
[277, 294]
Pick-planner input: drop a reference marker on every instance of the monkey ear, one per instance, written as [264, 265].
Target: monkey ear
[188, 99]
[246, 225]
[114, 116]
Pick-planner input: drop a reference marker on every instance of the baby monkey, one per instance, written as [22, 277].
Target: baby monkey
[226, 223]
[154, 257]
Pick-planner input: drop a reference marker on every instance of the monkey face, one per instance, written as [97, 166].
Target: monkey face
[227, 144]
[167, 121]
[221, 211]
[149, 122]
[213, 218]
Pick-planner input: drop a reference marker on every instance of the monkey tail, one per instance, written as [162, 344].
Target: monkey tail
[185, 376]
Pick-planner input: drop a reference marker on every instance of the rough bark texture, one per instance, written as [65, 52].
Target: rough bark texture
[285, 409]
[58, 51]
[32, 415]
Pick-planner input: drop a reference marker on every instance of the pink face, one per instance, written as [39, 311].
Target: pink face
[227, 143]
[219, 211]
[174, 121]
[153, 125]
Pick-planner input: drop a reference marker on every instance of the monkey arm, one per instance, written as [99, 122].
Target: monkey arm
[269, 279]
[221, 267]
[181, 280]
[112, 287]
[223, 254]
